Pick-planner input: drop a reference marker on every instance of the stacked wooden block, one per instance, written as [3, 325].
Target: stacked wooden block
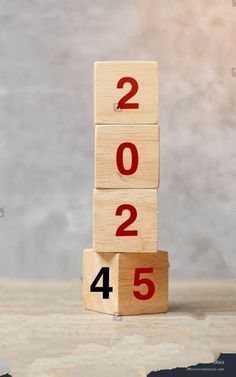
[125, 273]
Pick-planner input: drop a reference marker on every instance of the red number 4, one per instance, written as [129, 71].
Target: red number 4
[149, 283]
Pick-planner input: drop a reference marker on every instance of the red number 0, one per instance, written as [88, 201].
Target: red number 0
[134, 158]
[149, 283]
[122, 104]
[122, 231]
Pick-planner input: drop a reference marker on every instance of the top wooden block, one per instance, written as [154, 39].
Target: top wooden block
[125, 92]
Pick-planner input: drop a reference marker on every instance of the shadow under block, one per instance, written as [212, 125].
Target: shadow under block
[137, 150]
[138, 80]
[125, 220]
[130, 294]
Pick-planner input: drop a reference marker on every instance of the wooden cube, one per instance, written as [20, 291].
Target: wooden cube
[125, 283]
[125, 220]
[125, 92]
[127, 156]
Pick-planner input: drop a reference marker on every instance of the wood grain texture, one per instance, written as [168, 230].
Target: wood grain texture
[106, 95]
[122, 271]
[44, 330]
[106, 223]
[107, 140]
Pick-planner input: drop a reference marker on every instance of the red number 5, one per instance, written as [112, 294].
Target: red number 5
[149, 283]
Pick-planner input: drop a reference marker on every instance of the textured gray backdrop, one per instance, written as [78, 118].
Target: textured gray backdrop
[47, 51]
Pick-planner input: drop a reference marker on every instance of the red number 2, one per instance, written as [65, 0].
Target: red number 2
[149, 283]
[122, 231]
[122, 104]
[134, 158]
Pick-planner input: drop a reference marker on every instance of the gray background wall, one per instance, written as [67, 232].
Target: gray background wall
[47, 51]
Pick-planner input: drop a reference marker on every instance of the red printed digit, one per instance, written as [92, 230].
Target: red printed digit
[122, 104]
[120, 161]
[122, 231]
[149, 283]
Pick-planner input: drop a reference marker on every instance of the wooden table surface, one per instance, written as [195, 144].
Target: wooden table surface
[44, 330]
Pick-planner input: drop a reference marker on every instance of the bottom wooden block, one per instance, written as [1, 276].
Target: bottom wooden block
[125, 283]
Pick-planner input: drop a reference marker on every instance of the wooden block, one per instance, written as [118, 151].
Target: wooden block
[127, 156]
[125, 220]
[130, 283]
[125, 92]
[92, 264]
